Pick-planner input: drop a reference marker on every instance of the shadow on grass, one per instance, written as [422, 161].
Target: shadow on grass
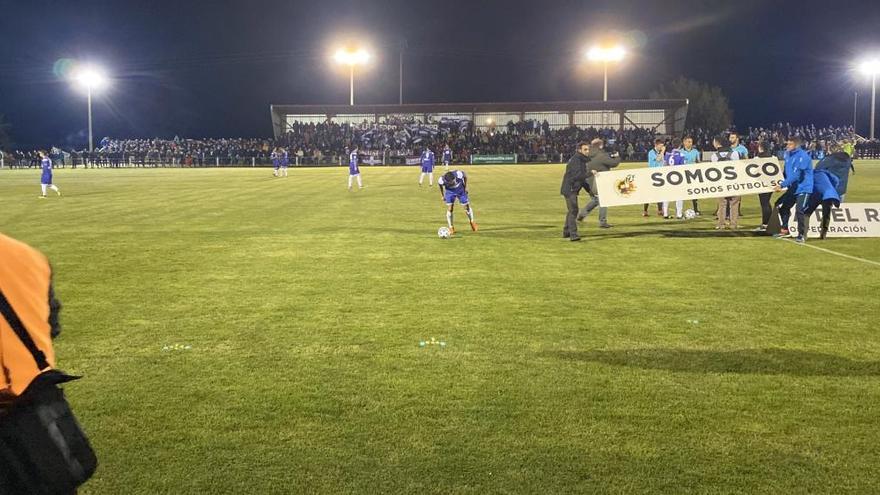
[741, 361]
[713, 233]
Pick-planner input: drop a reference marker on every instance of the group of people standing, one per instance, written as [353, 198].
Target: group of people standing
[806, 188]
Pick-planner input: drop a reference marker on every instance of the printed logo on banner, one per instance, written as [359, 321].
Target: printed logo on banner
[626, 186]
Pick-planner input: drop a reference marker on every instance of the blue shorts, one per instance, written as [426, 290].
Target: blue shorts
[46, 178]
[451, 196]
[427, 169]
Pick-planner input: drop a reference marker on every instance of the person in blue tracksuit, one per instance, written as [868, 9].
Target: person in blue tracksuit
[799, 184]
[839, 164]
[825, 194]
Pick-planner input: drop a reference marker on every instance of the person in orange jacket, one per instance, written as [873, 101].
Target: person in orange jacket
[26, 287]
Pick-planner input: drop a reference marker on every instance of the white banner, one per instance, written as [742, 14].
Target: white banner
[694, 181]
[850, 220]
[410, 160]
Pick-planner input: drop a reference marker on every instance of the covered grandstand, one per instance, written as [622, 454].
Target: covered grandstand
[663, 117]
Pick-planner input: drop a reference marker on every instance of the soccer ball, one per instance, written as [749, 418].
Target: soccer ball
[690, 214]
[443, 232]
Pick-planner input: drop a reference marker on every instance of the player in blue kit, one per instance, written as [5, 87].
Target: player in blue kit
[276, 162]
[427, 167]
[46, 178]
[354, 170]
[453, 185]
[285, 161]
[447, 156]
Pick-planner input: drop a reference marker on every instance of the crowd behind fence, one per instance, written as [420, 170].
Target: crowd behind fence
[397, 143]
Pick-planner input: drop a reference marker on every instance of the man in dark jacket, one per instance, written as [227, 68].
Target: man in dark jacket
[600, 161]
[576, 174]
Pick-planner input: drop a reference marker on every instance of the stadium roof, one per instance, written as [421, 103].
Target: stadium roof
[531, 106]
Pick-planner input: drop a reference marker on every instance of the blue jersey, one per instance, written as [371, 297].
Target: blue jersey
[675, 158]
[276, 159]
[447, 155]
[46, 166]
[741, 151]
[285, 160]
[457, 185]
[353, 164]
[427, 161]
[455, 190]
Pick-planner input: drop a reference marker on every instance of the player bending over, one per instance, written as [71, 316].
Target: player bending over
[427, 167]
[46, 178]
[453, 185]
[353, 169]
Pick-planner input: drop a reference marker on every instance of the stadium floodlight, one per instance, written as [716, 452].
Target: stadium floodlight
[91, 79]
[606, 55]
[871, 68]
[351, 58]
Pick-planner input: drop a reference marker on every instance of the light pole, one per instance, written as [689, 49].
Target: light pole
[91, 79]
[606, 55]
[351, 58]
[872, 68]
[403, 47]
[856, 113]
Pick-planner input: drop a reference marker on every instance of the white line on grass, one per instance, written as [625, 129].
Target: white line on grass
[863, 260]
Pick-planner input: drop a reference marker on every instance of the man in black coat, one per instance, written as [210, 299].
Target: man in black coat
[600, 161]
[574, 180]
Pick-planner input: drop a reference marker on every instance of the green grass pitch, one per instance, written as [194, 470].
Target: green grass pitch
[655, 357]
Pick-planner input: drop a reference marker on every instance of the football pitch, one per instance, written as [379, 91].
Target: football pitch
[245, 334]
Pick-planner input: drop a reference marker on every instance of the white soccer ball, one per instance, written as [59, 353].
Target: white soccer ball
[443, 233]
[690, 214]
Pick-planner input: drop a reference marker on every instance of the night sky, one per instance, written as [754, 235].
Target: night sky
[211, 69]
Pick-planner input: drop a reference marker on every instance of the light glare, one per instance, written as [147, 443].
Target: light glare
[91, 78]
[870, 67]
[609, 54]
[351, 57]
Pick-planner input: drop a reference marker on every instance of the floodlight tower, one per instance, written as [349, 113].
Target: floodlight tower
[91, 79]
[351, 58]
[606, 55]
[871, 68]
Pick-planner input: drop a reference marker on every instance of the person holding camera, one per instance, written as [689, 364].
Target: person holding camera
[600, 161]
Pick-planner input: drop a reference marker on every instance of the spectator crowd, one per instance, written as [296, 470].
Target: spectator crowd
[392, 141]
